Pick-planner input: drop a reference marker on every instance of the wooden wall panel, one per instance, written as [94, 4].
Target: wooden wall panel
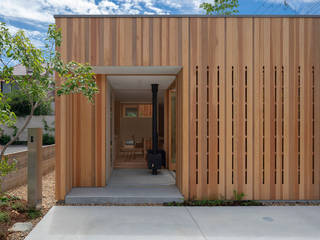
[239, 82]
[126, 41]
[101, 121]
[207, 111]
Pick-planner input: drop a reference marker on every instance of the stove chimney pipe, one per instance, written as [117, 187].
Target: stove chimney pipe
[154, 118]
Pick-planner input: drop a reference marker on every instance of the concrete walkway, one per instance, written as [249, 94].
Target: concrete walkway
[130, 186]
[142, 223]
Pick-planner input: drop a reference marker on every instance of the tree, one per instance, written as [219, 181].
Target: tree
[38, 83]
[221, 7]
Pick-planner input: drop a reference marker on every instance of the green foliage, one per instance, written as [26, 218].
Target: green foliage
[221, 7]
[4, 199]
[19, 207]
[33, 213]
[6, 167]
[7, 117]
[4, 217]
[21, 106]
[46, 126]
[77, 78]
[4, 139]
[238, 196]
[15, 130]
[47, 139]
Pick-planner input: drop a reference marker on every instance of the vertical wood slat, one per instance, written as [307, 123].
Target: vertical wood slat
[100, 135]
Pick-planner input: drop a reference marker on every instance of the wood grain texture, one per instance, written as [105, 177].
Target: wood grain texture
[247, 96]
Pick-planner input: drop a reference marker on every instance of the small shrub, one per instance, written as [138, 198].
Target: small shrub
[238, 196]
[4, 139]
[34, 213]
[4, 199]
[4, 217]
[19, 207]
[47, 139]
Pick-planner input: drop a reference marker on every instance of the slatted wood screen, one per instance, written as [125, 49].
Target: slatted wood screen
[254, 124]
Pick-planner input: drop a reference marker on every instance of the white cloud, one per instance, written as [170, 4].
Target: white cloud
[35, 36]
[43, 10]
[300, 6]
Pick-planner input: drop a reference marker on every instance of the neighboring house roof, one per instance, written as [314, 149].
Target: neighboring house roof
[19, 70]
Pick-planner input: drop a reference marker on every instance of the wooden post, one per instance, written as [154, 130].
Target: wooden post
[35, 167]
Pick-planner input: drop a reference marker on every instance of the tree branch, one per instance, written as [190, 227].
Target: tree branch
[20, 130]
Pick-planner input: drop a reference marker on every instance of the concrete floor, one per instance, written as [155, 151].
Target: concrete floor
[133, 223]
[130, 186]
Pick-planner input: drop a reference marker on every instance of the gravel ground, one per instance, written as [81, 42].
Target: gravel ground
[48, 200]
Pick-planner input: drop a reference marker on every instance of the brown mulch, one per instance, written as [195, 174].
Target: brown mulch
[14, 215]
[48, 200]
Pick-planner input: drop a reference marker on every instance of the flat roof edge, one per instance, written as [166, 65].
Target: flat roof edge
[183, 16]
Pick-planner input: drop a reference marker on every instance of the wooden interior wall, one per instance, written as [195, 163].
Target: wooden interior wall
[254, 90]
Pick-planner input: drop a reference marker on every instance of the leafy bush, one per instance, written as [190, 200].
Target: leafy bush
[4, 217]
[47, 139]
[21, 106]
[4, 139]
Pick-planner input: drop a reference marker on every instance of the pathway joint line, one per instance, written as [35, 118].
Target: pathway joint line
[194, 220]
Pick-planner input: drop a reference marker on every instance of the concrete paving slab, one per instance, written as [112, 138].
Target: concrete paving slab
[130, 186]
[205, 223]
[124, 195]
[296, 222]
[141, 177]
[116, 223]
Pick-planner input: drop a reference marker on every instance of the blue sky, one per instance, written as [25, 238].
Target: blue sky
[33, 16]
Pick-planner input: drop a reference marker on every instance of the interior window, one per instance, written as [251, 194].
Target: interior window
[131, 112]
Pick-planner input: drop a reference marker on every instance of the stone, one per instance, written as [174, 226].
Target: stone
[21, 227]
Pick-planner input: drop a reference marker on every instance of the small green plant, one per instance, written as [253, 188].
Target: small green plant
[19, 207]
[47, 139]
[4, 198]
[4, 139]
[33, 213]
[6, 167]
[238, 196]
[4, 217]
